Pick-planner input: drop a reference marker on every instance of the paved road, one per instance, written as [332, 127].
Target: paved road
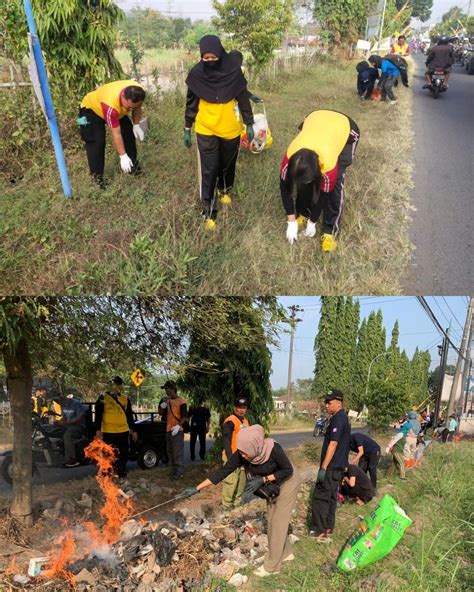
[56, 475]
[443, 229]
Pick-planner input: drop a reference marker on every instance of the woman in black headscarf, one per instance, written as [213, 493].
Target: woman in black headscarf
[217, 100]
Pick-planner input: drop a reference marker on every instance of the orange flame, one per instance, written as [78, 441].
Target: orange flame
[117, 507]
[66, 554]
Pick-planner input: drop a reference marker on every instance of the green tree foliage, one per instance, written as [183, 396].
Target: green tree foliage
[453, 22]
[420, 9]
[77, 37]
[199, 29]
[386, 403]
[218, 374]
[396, 19]
[255, 27]
[343, 21]
[150, 28]
[335, 344]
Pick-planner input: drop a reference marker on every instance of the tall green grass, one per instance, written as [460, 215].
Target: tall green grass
[435, 553]
[145, 234]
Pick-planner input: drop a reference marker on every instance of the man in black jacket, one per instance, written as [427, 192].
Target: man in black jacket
[440, 57]
[334, 459]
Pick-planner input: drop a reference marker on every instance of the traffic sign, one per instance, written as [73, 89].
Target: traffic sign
[137, 377]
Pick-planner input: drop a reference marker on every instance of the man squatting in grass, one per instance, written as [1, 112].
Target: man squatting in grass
[334, 460]
[109, 105]
[217, 99]
[315, 163]
[265, 462]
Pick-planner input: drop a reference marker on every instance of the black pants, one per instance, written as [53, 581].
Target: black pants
[332, 203]
[365, 88]
[93, 135]
[356, 491]
[368, 463]
[201, 434]
[120, 442]
[386, 87]
[324, 502]
[217, 162]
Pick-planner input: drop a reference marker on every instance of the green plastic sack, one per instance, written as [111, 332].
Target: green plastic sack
[376, 536]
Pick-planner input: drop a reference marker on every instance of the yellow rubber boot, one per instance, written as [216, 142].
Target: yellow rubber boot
[210, 224]
[225, 199]
[301, 221]
[328, 243]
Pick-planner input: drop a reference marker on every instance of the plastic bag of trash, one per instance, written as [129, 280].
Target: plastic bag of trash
[263, 136]
[376, 536]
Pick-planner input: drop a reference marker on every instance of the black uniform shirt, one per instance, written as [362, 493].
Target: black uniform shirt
[362, 483]
[199, 418]
[278, 464]
[338, 430]
[370, 446]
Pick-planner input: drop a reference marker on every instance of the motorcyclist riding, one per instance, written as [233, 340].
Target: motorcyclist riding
[440, 57]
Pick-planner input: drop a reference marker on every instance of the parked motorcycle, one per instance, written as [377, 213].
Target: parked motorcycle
[47, 447]
[438, 78]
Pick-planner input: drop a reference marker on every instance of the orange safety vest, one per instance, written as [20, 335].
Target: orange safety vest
[238, 424]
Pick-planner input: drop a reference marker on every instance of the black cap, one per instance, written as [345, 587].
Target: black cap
[334, 394]
[241, 402]
[169, 384]
[117, 380]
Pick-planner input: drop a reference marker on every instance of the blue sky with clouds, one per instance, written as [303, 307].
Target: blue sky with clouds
[416, 329]
[202, 9]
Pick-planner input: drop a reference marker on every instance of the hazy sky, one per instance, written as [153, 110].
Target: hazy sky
[416, 329]
[202, 9]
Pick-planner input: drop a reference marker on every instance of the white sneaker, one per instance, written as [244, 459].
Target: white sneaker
[261, 572]
[393, 102]
[289, 557]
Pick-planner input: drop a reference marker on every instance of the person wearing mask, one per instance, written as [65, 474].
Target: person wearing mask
[200, 418]
[315, 166]
[334, 459]
[389, 76]
[234, 483]
[109, 105]
[176, 417]
[217, 100]
[440, 57]
[114, 423]
[356, 485]
[73, 418]
[367, 455]
[269, 469]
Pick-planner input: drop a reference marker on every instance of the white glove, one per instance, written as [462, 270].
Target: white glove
[292, 231]
[175, 430]
[126, 163]
[138, 132]
[310, 229]
[164, 405]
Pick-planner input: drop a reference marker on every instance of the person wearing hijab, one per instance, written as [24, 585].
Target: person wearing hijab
[265, 462]
[315, 165]
[216, 102]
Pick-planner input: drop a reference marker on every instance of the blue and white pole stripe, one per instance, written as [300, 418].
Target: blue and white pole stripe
[48, 101]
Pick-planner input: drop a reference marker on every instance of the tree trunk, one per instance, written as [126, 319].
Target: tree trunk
[19, 381]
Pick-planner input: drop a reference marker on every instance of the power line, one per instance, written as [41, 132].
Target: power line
[449, 308]
[426, 307]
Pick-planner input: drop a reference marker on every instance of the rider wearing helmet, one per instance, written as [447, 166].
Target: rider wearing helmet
[440, 57]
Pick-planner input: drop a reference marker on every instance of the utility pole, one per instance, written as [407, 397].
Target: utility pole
[466, 374]
[443, 352]
[295, 309]
[462, 355]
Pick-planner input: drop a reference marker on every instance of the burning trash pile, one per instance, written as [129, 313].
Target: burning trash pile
[185, 552]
